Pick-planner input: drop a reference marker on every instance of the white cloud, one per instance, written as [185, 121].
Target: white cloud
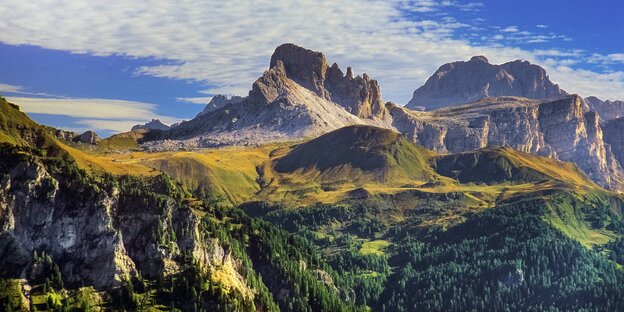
[195, 100]
[510, 29]
[14, 89]
[227, 44]
[558, 53]
[590, 82]
[109, 125]
[614, 58]
[98, 114]
[541, 26]
[425, 6]
[9, 88]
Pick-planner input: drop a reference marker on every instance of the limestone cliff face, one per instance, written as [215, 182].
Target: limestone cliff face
[360, 96]
[306, 67]
[35, 216]
[97, 236]
[562, 129]
[463, 82]
[607, 110]
[614, 135]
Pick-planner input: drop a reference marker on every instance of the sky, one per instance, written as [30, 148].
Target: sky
[107, 65]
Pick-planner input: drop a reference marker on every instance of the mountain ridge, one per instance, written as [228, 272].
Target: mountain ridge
[608, 110]
[463, 82]
[154, 124]
[302, 97]
[559, 128]
[287, 102]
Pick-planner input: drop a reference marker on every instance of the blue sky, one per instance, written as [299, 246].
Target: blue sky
[80, 65]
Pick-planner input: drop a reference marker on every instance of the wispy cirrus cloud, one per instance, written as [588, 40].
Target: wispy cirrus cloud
[510, 29]
[424, 6]
[195, 100]
[227, 44]
[15, 89]
[614, 58]
[7, 88]
[95, 114]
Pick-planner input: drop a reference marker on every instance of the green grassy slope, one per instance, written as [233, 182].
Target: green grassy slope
[15, 126]
[121, 141]
[359, 151]
[503, 164]
[226, 176]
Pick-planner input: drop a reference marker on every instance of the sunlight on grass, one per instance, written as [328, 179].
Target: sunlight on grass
[376, 247]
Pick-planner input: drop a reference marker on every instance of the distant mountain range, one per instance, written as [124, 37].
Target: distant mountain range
[155, 124]
[607, 110]
[463, 82]
[459, 83]
[299, 96]
[514, 105]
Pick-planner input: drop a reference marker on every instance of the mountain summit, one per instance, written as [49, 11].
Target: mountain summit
[155, 124]
[298, 96]
[360, 96]
[607, 110]
[463, 82]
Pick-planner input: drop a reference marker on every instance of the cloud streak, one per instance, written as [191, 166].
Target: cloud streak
[195, 100]
[7, 88]
[96, 114]
[227, 44]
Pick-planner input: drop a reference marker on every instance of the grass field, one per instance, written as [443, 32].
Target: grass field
[376, 247]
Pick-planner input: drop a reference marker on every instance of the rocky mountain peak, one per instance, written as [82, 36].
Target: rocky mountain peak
[463, 82]
[269, 86]
[304, 66]
[298, 96]
[479, 58]
[607, 110]
[359, 95]
[219, 101]
[88, 137]
[154, 124]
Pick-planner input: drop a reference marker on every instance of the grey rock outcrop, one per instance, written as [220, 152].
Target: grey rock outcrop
[514, 278]
[560, 128]
[219, 101]
[155, 124]
[97, 236]
[607, 110]
[88, 137]
[359, 95]
[35, 215]
[613, 133]
[60, 134]
[463, 82]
